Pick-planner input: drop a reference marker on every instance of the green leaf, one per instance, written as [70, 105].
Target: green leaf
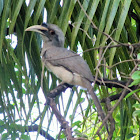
[11, 106]
[62, 136]
[136, 113]
[2, 128]
[130, 135]
[82, 100]
[25, 137]
[122, 17]
[3, 23]
[1, 110]
[111, 17]
[138, 56]
[13, 126]
[135, 82]
[80, 17]
[128, 95]
[77, 123]
[136, 75]
[14, 136]
[136, 106]
[20, 128]
[15, 15]
[1, 122]
[77, 132]
[5, 136]
[1, 6]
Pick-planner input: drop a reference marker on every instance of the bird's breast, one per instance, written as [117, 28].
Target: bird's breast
[60, 72]
[64, 75]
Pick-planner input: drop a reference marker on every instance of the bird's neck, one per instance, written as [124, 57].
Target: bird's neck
[53, 44]
[47, 46]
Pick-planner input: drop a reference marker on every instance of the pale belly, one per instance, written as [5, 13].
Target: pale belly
[65, 75]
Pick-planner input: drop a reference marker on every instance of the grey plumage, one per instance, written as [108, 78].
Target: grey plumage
[65, 64]
[66, 58]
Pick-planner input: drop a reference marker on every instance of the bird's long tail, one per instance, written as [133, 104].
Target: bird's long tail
[96, 102]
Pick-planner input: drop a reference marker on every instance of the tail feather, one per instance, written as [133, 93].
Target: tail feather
[96, 102]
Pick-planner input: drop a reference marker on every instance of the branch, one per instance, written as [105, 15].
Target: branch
[105, 82]
[135, 45]
[42, 132]
[60, 118]
[110, 83]
[58, 90]
[111, 111]
[111, 120]
[120, 99]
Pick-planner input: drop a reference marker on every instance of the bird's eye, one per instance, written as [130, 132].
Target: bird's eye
[52, 32]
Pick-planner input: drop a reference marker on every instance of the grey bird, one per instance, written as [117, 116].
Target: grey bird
[65, 64]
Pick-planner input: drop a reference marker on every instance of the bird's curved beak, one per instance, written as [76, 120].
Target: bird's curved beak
[37, 28]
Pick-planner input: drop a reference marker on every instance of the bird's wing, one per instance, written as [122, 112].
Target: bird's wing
[69, 60]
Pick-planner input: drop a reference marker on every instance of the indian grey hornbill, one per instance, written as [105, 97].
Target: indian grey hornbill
[65, 64]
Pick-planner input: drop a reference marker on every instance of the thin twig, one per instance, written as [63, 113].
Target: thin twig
[111, 111]
[121, 97]
[130, 60]
[100, 47]
[42, 75]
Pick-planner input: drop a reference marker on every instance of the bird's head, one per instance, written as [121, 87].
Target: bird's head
[50, 33]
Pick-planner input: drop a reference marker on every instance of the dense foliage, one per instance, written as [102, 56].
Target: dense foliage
[88, 25]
